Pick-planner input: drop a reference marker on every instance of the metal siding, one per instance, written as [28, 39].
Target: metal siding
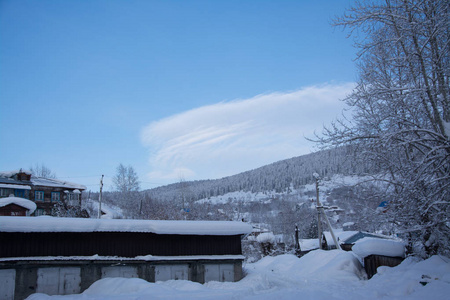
[125, 244]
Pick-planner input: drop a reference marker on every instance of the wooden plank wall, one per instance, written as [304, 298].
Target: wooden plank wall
[372, 262]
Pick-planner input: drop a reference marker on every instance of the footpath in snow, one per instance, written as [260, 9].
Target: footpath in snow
[319, 275]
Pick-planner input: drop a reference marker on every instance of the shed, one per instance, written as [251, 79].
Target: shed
[379, 252]
[35, 249]
[16, 206]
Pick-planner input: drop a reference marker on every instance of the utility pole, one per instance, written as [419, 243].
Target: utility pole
[331, 230]
[297, 243]
[318, 206]
[100, 199]
[320, 210]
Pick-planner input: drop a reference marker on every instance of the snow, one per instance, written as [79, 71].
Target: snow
[266, 237]
[325, 185]
[15, 186]
[40, 181]
[447, 128]
[319, 275]
[309, 244]
[30, 205]
[14, 172]
[336, 181]
[238, 196]
[50, 224]
[108, 211]
[373, 246]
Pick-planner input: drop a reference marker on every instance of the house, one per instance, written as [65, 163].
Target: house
[15, 206]
[66, 255]
[44, 192]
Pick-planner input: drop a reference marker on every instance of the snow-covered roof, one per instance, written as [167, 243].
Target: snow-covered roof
[340, 234]
[52, 224]
[40, 181]
[358, 235]
[30, 205]
[373, 246]
[15, 186]
[12, 173]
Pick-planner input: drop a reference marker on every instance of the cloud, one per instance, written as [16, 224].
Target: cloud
[231, 137]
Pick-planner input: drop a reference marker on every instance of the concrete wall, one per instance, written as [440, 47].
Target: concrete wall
[19, 279]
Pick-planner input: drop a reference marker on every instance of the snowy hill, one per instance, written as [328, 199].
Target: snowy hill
[280, 177]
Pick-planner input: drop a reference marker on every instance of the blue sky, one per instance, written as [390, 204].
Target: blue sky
[192, 89]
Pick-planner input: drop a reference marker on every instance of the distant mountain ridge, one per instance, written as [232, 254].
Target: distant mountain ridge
[279, 176]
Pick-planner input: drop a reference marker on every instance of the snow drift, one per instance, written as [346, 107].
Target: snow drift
[319, 275]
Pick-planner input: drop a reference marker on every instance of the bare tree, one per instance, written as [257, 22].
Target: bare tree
[126, 179]
[40, 170]
[126, 182]
[400, 118]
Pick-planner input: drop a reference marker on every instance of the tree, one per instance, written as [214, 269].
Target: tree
[40, 170]
[126, 182]
[126, 179]
[400, 120]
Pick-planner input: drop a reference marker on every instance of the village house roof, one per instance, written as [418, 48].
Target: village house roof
[7, 180]
[40, 181]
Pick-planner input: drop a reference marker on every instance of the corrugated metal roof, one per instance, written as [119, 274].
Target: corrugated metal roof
[13, 181]
[359, 235]
[5, 178]
[40, 181]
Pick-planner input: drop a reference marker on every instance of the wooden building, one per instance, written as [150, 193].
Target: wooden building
[14, 206]
[377, 252]
[85, 250]
[45, 192]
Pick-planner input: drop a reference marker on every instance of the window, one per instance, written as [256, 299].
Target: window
[56, 196]
[73, 197]
[19, 193]
[39, 212]
[5, 192]
[22, 193]
[38, 196]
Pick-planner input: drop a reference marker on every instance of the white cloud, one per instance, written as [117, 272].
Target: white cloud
[230, 137]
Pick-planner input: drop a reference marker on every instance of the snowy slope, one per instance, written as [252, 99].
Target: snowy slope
[319, 275]
[336, 181]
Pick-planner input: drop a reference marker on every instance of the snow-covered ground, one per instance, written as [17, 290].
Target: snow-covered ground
[319, 275]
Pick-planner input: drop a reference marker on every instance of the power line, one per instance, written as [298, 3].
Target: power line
[80, 176]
